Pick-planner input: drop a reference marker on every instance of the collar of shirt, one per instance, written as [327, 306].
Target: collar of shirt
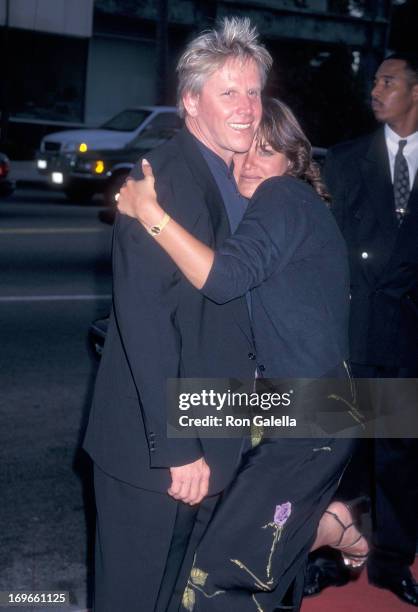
[235, 203]
[214, 160]
[410, 151]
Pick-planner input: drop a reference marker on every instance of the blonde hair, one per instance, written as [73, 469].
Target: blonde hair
[234, 37]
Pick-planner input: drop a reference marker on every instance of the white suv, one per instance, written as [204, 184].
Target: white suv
[71, 158]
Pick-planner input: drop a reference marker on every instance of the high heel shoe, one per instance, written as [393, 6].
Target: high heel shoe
[355, 508]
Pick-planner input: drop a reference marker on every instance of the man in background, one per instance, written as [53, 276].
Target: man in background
[374, 186]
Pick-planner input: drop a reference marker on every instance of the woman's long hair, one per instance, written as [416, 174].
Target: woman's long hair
[280, 129]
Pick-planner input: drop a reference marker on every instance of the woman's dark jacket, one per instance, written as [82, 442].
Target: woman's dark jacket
[289, 252]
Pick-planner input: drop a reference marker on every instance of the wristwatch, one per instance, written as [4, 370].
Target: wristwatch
[155, 230]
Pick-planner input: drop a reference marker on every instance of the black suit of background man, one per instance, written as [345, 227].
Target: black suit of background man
[383, 255]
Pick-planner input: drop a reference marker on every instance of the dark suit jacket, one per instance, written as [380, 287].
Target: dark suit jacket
[289, 251]
[161, 327]
[383, 257]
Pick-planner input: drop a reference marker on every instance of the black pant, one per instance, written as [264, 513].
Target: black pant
[394, 491]
[141, 541]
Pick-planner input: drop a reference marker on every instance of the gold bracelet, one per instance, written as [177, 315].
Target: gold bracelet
[155, 230]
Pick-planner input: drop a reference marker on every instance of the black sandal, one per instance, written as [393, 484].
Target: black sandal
[351, 560]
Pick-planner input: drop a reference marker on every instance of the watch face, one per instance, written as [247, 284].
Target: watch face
[155, 230]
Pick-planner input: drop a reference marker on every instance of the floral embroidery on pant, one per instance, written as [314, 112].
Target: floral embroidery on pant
[281, 516]
[198, 577]
[197, 581]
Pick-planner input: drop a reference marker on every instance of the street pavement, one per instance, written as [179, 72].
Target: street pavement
[55, 279]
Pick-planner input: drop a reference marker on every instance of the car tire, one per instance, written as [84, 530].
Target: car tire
[79, 195]
[113, 187]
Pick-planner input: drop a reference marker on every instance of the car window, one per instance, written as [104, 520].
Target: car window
[151, 138]
[162, 127]
[164, 121]
[127, 121]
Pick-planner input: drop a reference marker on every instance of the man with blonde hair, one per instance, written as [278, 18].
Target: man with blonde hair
[148, 485]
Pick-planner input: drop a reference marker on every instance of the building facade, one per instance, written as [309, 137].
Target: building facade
[81, 61]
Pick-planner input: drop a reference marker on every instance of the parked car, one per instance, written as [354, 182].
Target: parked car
[7, 186]
[85, 162]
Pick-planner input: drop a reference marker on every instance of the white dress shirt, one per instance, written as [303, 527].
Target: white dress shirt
[410, 152]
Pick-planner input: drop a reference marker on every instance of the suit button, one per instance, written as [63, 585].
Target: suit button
[364, 255]
[251, 356]
[261, 368]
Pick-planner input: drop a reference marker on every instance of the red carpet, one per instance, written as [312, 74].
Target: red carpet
[357, 596]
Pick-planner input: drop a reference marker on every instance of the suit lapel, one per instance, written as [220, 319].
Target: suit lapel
[406, 247]
[215, 204]
[376, 175]
[413, 198]
[206, 182]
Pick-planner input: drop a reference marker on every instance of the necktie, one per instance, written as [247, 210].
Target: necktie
[401, 182]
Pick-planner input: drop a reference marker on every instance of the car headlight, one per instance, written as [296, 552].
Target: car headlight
[57, 178]
[99, 166]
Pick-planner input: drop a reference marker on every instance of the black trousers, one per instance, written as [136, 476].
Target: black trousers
[394, 487]
[142, 540]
